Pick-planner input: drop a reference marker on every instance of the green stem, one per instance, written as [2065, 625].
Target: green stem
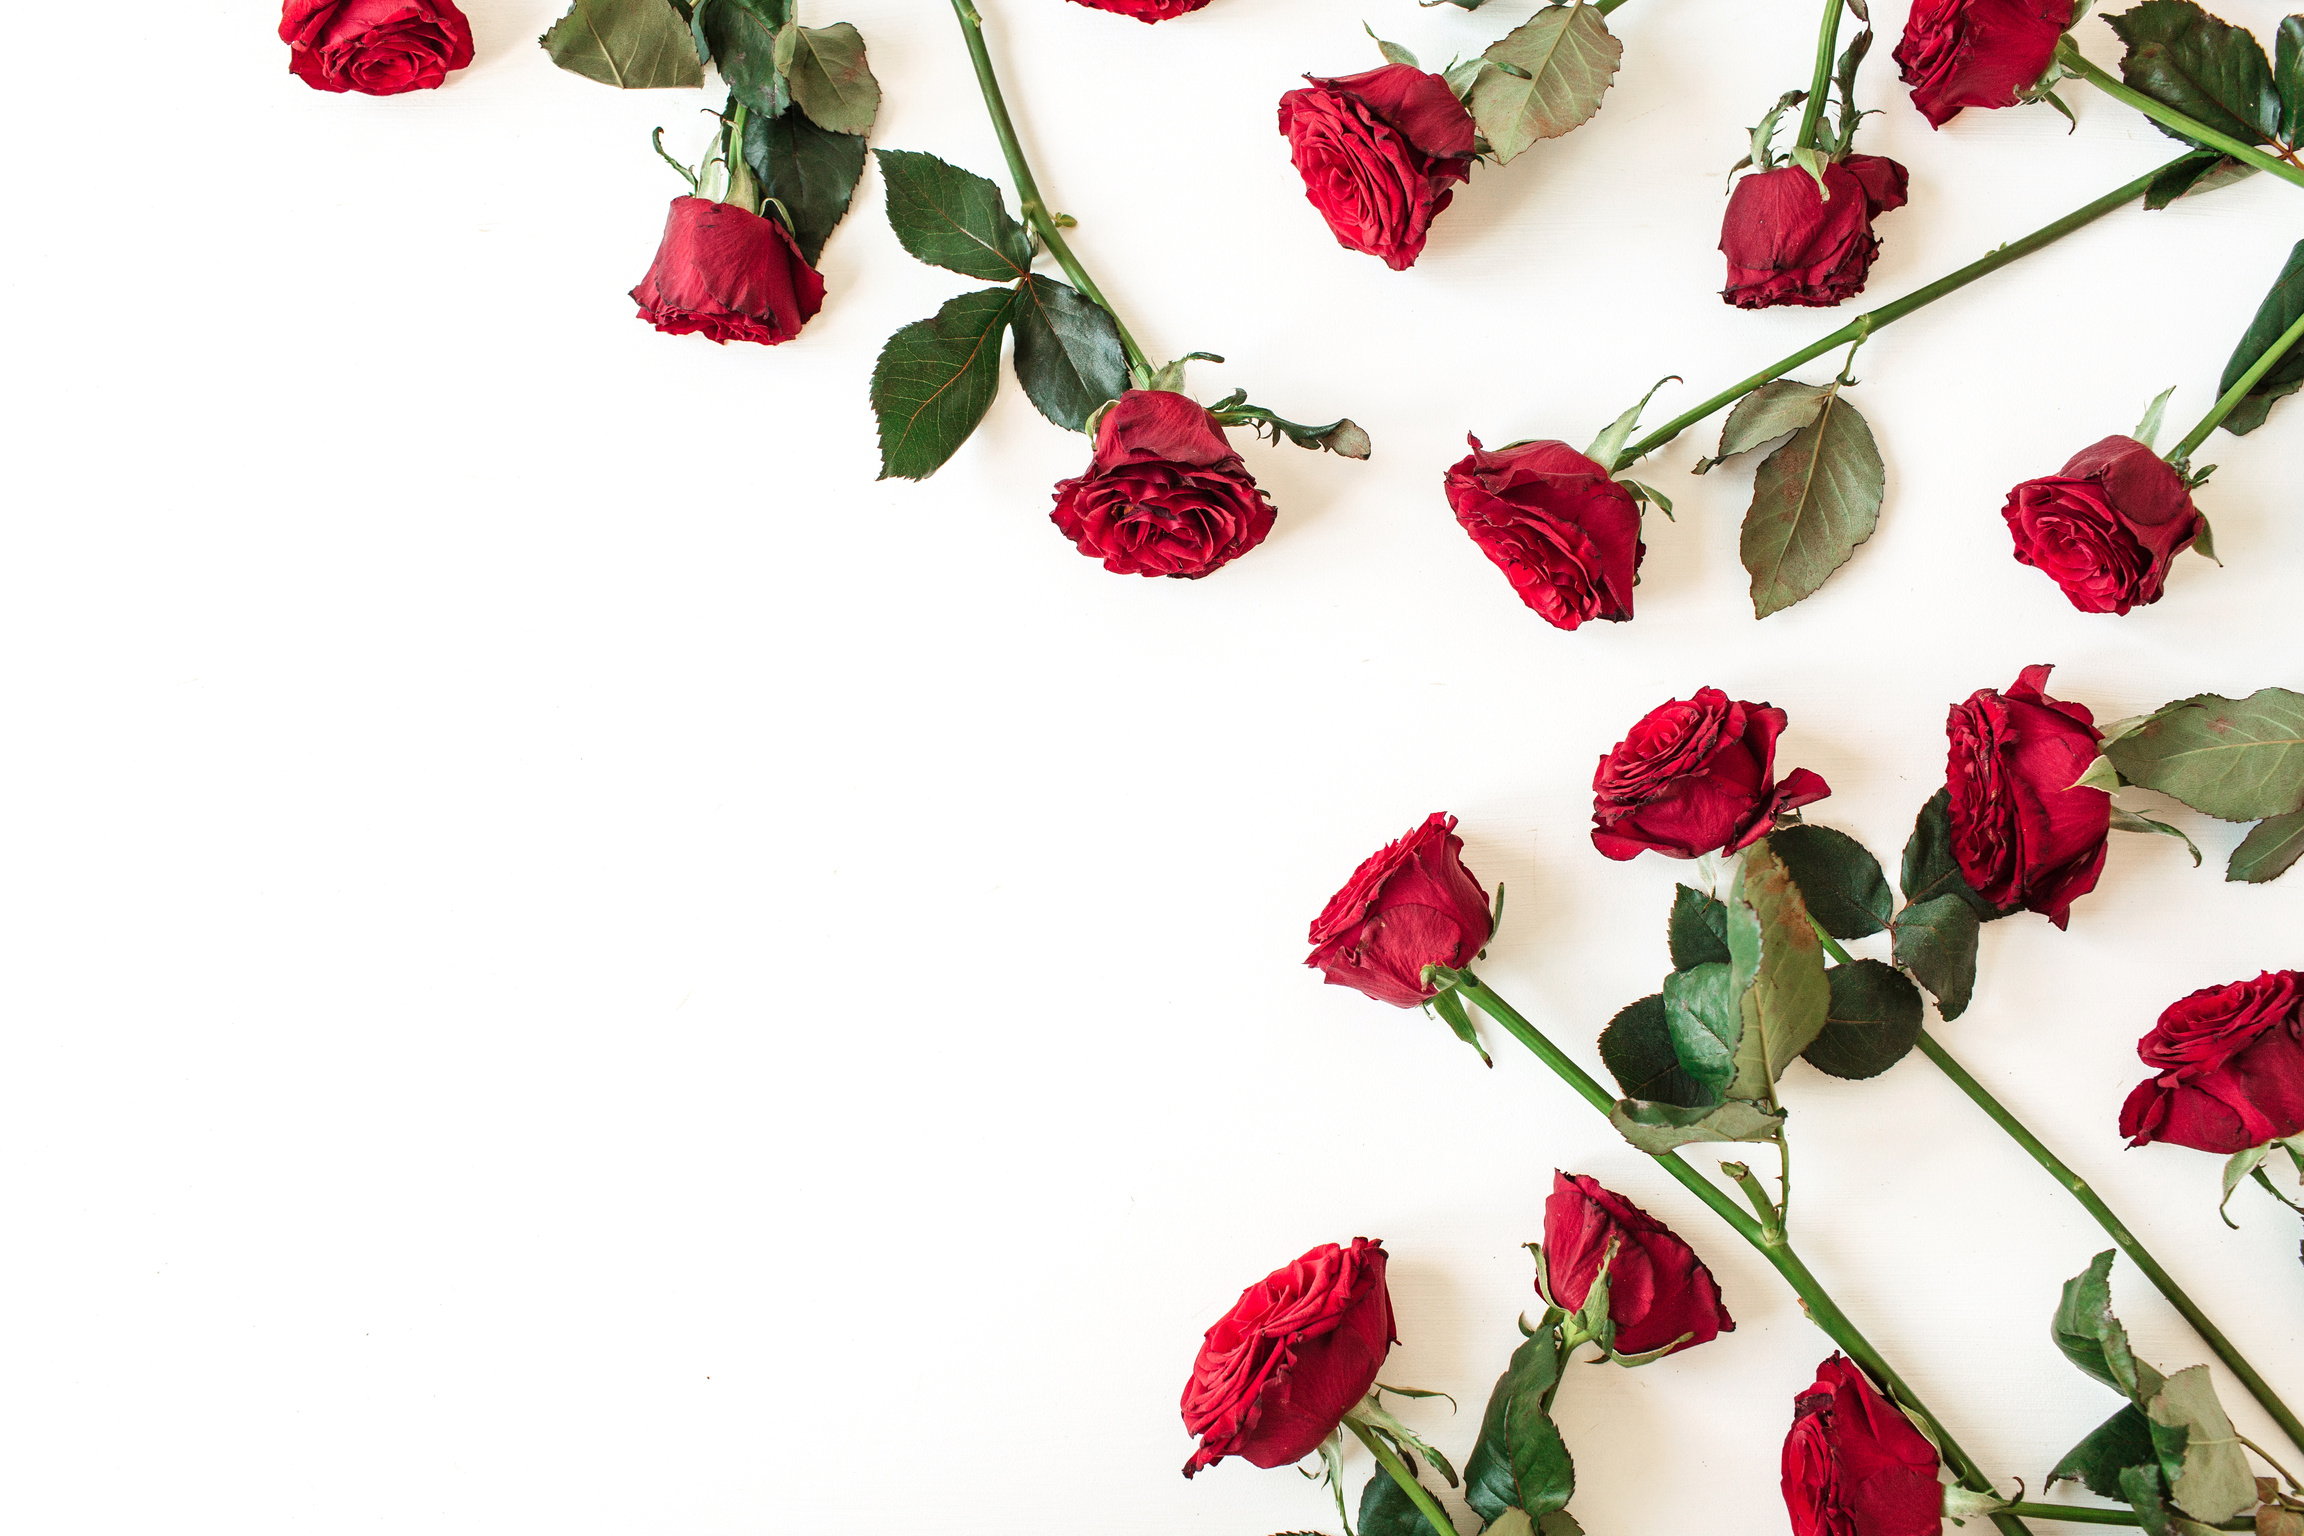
[2068, 54]
[1887, 314]
[1401, 1475]
[1827, 43]
[1036, 212]
[1821, 1309]
[2077, 1514]
[2237, 393]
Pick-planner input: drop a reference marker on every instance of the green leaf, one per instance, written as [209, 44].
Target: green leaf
[1937, 940]
[936, 379]
[1068, 353]
[2212, 72]
[1930, 868]
[2269, 850]
[1838, 878]
[1813, 501]
[1386, 1510]
[2148, 1496]
[1875, 1021]
[2120, 1442]
[2280, 309]
[635, 45]
[1698, 932]
[2288, 78]
[1701, 1018]
[811, 172]
[1658, 1128]
[953, 218]
[740, 38]
[831, 80]
[1543, 1475]
[1561, 61]
[2205, 172]
[2200, 1455]
[1559, 1523]
[1636, 1047]
[2093, 1339]
[1491, 1480]
[1770, 412]
[2234, 759]
[1777, 971]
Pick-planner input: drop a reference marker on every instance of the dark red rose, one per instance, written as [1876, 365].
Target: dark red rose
[1409, 905]
[1297, 1352]
[1696, 776]
[1379, 153]
[1787, 244]
[729, 273]
[1657, 1288]
[1145, 10]
[2107, 526]
[2230, 1065]
[1977, 53]
[2023, 835]
[1165, 495]
[376, 47]
[1854, 1465]
[1565, 534]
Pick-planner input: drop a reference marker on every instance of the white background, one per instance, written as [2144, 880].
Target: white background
[574, 964]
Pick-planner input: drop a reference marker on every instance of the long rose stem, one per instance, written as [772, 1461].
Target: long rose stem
[1776, 1248]
[1887, 314]
[1401, 1475]
[2232, 397]
[1827, 42]
[2077, 1514]
[2068, 54]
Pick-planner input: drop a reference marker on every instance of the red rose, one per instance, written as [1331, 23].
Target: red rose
[1657, 1288]
[2107, 526]
[1378, 153]
[2024, 836]
[376, 47]
[1165, 495]
[1411, 905]
[1854, 1465]
[1565, 534]
[1696, 776]
[1977, 53]
[1145, 10]
[1787, 244]
[729, 273]
[2231, 1068]
[1297, 1352]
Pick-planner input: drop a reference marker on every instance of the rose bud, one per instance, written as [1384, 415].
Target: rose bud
[1165, 495]
[1297, 1352]
[1145, 10]
[1563, 533]
[1696, 776]
[1657, 1288]
[375, 47]
[729, 273]
[1787, 244]
[1378, 153]
[2107, 526]
[2023, 834]
[2231, 1068]
[1409, 905]
[1977, 53]
[1854, 1465]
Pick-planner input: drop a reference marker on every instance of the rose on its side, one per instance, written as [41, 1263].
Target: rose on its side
[1565, 534]
[1696, 776]
[1145, 10]
[375, 47]
[1658, 1290]
[2023, 830]
[2228, 1068]
[1977, 53]
[728, 273]
[1854, 1465]
[1786, 243]
[1379, 153]
[2107, 526]
[1164, 494]
[1409, 905]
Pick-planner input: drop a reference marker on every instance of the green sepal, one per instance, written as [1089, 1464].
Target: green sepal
[2278, 311]
[2129, 821]
[1449, 1005]
[1763, 156]
[2269, 850]
[935, 381]
[1844, 81]
[2237, 1167]
[1609, 445]
[1842, 883]
[1393, 52]
[1875, 1021]
[1698, 931]
[634, 45]
[2148, 430]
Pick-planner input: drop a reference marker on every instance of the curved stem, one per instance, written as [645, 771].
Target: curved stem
[2232, 397]
[1391, 1463]
[1819, 82]
[2068, 54]
[1035, 209]
[1821, 1309]
[2080, 1514]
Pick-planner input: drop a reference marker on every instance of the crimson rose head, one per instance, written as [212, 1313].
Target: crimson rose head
[2024, 836]
[1297, 1352]
[1563, 533]
[1379, 153]
[1696, 776]
[375, 47]
[1410, 905]
[1854, 1465]
[1977, 53]
[2229, 1068]
[2107, 526]
[1658, 1289]
[1165, 495]
[1786, 243]
[1145, 10]
[729, 273]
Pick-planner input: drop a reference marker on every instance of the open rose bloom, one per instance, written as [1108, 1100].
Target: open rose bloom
[1977, 53]
[2024, 836]
[2228, 1068]
[2107, 526]
[1165, 495]
[1696, 776]
[1854, 1465]
[1380, 153]
[1787, 243]
[729, 274]
[375, 47]
[1565, 534]
[1658, 1290]
[1410, 904]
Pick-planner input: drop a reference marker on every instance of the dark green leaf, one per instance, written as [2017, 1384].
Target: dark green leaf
[2200, 1455]
[1698, 931]
[1068, 353]
[635, 45]
[1777, 972]
[2212, 72]
[811, 172]
[1543, 1476]
[2148, 1496]
[1561, 61]
[2288, 78]
[1658, 1128]
[1930, 869]
[1700, 1017]
[1637, 1050]
[2269, 850]
[2093, 1339]
[1876, 1019]
[2120, 1442]
[2234, 759]
[2207, 171]
[1813, 501]
[936, 379]
[1842, 883]
[1774, 410]
[1490, 1484]
[1937, 940]
[830, 79]
[953, 218]
[1559, 1523]
[741, 40]
[2280, 310]
[1386, 1510]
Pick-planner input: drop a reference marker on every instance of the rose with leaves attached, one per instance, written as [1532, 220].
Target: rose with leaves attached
[1145, 10]
[730, 274]
[375, 47]
[2107, 526]
[1658, 1290]
[1854, 1465]
[2228, 1068]
[1409, 905]
[1379, 153]
[1977, 53]
[1563, 533]
[1696, 776]
[2023, 834]
[1297, 1352]
[1165, 495]
[1788, 243]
